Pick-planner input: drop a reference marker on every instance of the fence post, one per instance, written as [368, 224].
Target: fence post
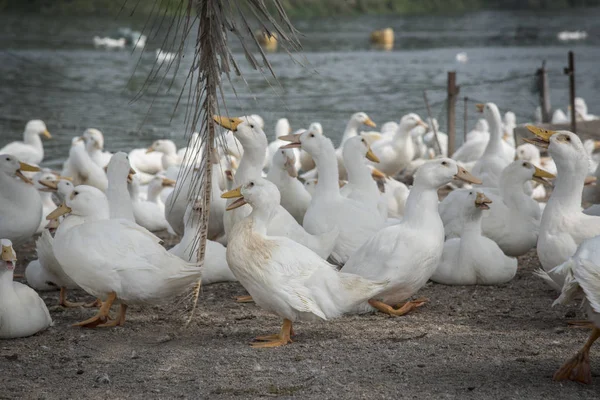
[465, 120]
[570, 70]
[544, 91]
[435, 134]
[451, 103]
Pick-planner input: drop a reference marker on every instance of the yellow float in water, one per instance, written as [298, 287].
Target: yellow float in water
[383, 38]
[267, 40]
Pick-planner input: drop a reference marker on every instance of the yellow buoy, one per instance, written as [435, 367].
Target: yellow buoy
[383, 38]
[268, 42]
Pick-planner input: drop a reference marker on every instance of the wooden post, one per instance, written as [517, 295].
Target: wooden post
[465, 120]
[570, 70]
[435, 135]
[451, 103]
[544, 91]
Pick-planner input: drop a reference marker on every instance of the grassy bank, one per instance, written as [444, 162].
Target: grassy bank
[297, 8]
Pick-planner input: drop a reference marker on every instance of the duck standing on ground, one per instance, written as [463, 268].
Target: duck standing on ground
[283, 276]
[31, 149]
[20, 204]
[407, 254]
[22, 312]
[473, 259]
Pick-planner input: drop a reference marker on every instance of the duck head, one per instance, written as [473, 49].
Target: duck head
[94, 139]
[522, 171]
[119, 169]
[316, 127]
[245, 129]
[84, 201]
[362, 118]
[13, 167]
[411, 121]
[357, 147]
[441, 171]
[164, 146]
[565, 148]
[9, 257]
[37, 127]
[310, 141]
[282, 127]
[285, 159]
[259, 193]
[528, 152]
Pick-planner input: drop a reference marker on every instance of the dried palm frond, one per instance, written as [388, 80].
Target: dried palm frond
[213, 58]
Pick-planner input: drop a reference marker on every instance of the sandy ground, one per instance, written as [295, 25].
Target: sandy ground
[468, 342]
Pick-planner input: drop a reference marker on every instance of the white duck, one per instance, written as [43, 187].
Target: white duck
[514, 221]
[96, 252]
[530, 153]
[395, 193]
[45, 195]
[582, 280]
[282, 128]
[282, 172]
[148, 163]
[493, 161]
[473, 259]
[396, 153]
[564, 226]
[356, 121]
[168, 151]
[22, 312]
[408, 253]
[119, 173]
[20, 204]
[149, 213]
[85, 170]
[328, 208]
[361, 187]
[306, 161]
[283, 276]
[30, 150]
[94, 145]
[215, 268]
[254, 141]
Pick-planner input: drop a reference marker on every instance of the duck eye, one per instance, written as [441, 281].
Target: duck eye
[7, 158]
[568, 138]
[75, 193]
[312, 135]
[444, 163]
[525, 164]
[251, 184]
[470, 192]
[252, 126]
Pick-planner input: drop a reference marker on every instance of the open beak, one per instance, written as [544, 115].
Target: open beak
[47, 134]
[542, 136]
[228, 123]
[130, 175]
[377, 174]
[60, 211]
[52, 225]
[26, 168]
[371, 156]
[290, 167]
[464, 175]
[540, 176]
[150, 150]
[293, 139]
[590, 180]
[479, 107]
[369, 122]
[166, 182]
[9, 257]
[482, 201]
[234, 194]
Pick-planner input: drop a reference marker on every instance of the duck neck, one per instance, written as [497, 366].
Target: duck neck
[358, 172]
[494, 145]
[327, 169]
[568, 188]
[6, 281]
[472, 225]
[351, 130]
[261, 216]
[251, 164]
[512, 191]
[421, 206]
[401, 136]
[33, 139]
[154, 192]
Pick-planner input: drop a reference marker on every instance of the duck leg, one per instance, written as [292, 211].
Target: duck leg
[280, 339]
[119, 321]
[102, 315]
[400, 310]
[581, 323]
[244, 299]
[578, 368]
[63, 302]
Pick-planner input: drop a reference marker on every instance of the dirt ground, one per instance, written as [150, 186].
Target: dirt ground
[468, 342]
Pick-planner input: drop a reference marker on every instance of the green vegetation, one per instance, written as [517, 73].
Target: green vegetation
[298, 7]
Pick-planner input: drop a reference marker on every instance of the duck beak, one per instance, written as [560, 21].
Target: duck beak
[228, 123]
[540, 176]
[423, 124]
[294, 139]
[290, 167]
[60, 211]
[464, 175]
[596, 145]
[371, 156]
[542, 136]
[482, 201]
[166, 182]
[52, 185]
[27, 168]
[53, 224]
[479, 107]
[590, 180]
[149, 150]
[229, 175]
[47, 134]
[8, 254]
[377, 174]
[232, 194]
[369, 122]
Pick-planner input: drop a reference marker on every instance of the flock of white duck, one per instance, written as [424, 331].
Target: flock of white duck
[348, 238]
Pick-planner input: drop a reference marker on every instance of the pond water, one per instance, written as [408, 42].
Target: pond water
[50, 70]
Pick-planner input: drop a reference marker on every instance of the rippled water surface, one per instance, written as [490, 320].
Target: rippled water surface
[50, 70]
